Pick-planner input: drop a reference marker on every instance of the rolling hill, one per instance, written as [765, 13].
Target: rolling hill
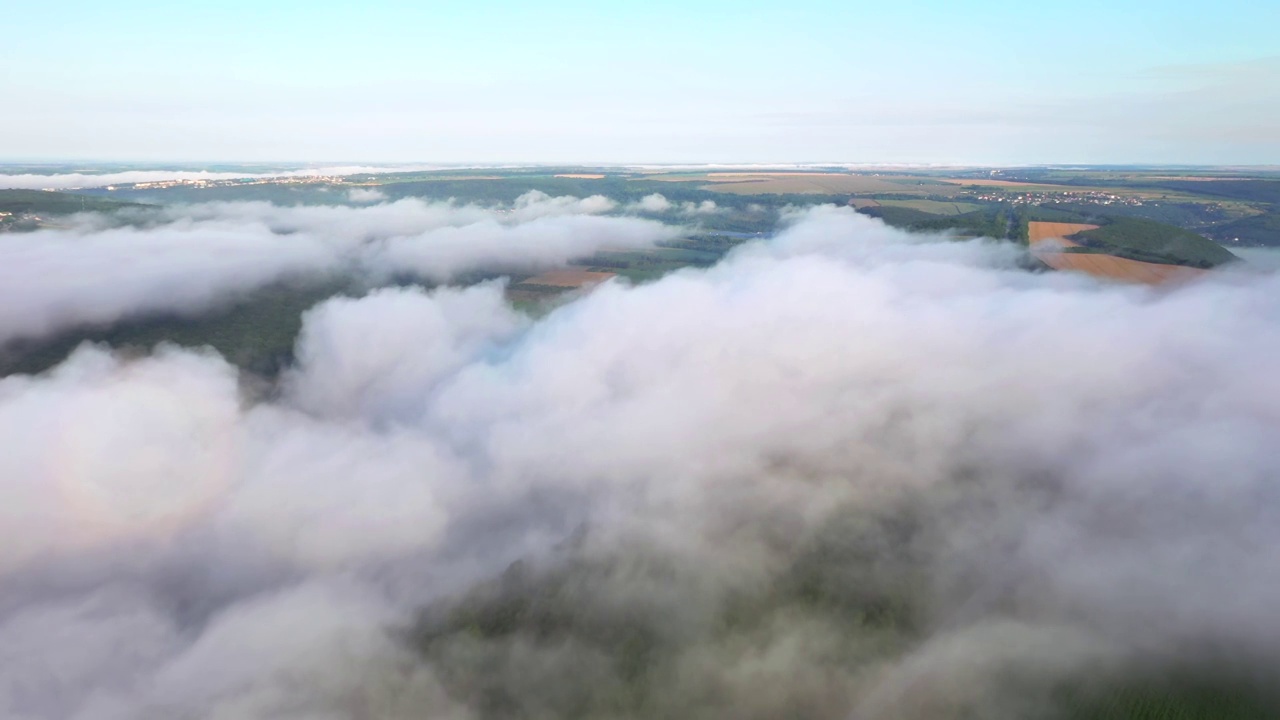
[1154, 242]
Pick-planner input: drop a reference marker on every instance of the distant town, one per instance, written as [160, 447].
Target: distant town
[1074, 197]
[205, 183]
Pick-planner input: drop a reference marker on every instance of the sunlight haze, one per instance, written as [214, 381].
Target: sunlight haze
[918, 82]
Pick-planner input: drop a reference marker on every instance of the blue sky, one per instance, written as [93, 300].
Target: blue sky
[946, 82]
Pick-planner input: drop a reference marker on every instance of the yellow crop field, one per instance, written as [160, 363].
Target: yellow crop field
[1041, 231]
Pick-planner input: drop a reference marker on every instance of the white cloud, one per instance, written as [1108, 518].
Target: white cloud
[410, 342]
[75, 181]
[366, 195]
[655, 203]
[536, 204]
[1075, 462]
[155, 443]
[658, 204]
[546, 241]
[186, 258]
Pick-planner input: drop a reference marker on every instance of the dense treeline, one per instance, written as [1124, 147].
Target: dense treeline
[1261, 229]
[641, 633]
[1266, 191]
[993, 223]
[1155, 242]
[48, 202]
[256, 332]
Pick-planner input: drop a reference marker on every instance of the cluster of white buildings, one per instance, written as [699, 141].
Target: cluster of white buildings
[1087, 197]
[205, 183]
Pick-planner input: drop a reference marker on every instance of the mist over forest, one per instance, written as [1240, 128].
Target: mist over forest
[803, 360]
[835, 469]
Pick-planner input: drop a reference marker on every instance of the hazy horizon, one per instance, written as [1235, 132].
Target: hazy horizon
[400, 166]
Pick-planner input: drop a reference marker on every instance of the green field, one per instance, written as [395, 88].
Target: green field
[646, 265]
[935, 207]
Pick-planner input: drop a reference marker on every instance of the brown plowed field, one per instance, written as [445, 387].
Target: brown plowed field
[1116, 268]
[568, 278]
[1097, 264]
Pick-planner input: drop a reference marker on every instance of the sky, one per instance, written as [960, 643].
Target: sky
[924, 81]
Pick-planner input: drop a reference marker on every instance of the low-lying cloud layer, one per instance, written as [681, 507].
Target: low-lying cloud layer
[75, 181]
[185, 258]
[366, 195]
[659, 204]
[846, 473]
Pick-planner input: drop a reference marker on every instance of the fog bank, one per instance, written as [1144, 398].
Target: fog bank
[185, 259]
[76, 181]
[848, 472]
